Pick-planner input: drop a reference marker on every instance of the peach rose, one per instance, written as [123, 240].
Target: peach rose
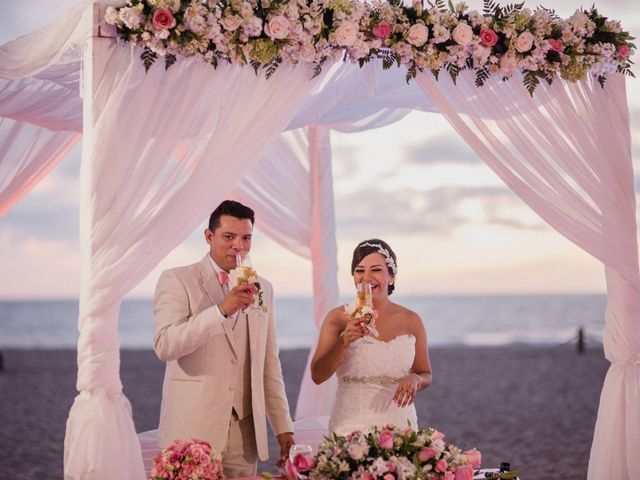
[488, 37]
[473, 457]
[524, 42]
[418, 35]
[381, 30]
[346, 34]
[163, 19]
[462, 34]
[231, 22]
[277, 28]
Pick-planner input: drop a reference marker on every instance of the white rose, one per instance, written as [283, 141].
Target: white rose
[277, 28]
[524, 42]
[231, 23]
[462, 34]
[355, 451]
[111, 16]
[131, 17]
[418, 35]
[346, 34]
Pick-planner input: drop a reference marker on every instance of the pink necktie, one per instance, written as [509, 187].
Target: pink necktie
[223, 278]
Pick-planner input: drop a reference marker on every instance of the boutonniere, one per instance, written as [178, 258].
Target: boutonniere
[261, 304]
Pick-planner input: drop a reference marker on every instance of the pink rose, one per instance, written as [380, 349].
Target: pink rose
[556, 44]
[464, 473]
[381, 30]
[473, 457]
[385, 439]
[623, 50]
[163, 19]
[449, 476]
[425, 454]
[441, 465]
[488, 37]
[436, 435]
[304, 463]
[346, 34]
[388, 476]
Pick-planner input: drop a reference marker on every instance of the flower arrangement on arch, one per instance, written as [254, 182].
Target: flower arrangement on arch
[187, 460]
[498, 41]
[390, 453]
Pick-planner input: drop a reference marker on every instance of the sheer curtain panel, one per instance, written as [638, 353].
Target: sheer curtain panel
[567, 154]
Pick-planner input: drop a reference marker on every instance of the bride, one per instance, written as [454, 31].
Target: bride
[378, 377]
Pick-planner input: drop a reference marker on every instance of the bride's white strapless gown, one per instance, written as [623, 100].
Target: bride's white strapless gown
[367, 380]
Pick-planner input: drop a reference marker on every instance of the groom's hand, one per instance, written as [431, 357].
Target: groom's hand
[286, 441]
[239, 298]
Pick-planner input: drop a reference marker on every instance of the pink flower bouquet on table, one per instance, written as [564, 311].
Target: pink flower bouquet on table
[187, 460]
[390, 453]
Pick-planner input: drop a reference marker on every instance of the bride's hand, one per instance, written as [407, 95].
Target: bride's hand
[353, 330]
[407, 388]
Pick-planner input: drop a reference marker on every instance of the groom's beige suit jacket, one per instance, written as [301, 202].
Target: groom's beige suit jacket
[201, 369]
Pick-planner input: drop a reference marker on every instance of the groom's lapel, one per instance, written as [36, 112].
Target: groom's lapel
[210, 284]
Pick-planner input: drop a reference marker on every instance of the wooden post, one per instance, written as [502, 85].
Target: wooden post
[580, 340]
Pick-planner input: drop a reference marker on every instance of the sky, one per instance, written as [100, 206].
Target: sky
[456, 228]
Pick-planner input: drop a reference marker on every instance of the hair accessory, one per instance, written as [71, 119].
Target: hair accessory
[385, 253]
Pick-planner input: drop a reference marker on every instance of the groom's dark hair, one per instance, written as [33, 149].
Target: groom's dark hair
[233, 209]
[373, 245]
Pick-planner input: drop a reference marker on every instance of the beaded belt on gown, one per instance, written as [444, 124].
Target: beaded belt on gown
[377, 379]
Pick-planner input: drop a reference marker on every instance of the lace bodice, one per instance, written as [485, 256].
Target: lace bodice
[367, 379]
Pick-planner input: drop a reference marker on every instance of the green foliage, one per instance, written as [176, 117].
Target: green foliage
[412, 71]
[482, 75]
[169, 60]
[531, 81]
[148, 58]
[255, 65]
[490, 7]
[454, 71]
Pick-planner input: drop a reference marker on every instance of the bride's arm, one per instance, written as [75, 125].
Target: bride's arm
[420, 376]
[421, 364]
[334, 339]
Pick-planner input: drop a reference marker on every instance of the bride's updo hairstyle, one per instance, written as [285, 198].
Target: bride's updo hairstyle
[376, 245]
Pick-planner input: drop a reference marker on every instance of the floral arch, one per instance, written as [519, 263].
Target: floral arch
[153, 138]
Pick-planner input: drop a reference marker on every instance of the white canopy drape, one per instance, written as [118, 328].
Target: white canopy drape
[159, 149]
[567, 154]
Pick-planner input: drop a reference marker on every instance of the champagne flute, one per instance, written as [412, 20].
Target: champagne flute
[364, 295]
[244, 270]
[301, 449]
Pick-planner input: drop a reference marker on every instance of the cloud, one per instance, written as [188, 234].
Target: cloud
[437, 211]
[443, 149]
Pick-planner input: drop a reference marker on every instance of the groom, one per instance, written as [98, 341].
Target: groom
[223, 376]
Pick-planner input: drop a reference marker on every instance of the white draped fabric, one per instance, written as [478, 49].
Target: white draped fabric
[567, 154]
[291, 189]
[159, 149]
[188, 131]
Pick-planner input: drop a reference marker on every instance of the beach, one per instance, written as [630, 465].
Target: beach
[532, 406]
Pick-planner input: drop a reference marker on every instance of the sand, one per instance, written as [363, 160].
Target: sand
[534, 407]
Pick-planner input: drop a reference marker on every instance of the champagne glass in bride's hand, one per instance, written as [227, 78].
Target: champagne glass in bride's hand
[364, 308]
[301, 458]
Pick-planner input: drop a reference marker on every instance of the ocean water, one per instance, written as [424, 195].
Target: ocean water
[450, 320]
